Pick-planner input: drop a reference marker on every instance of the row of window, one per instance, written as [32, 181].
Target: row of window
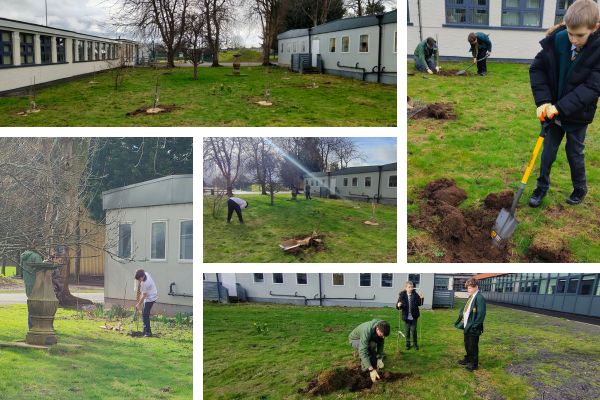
[363, 44]
[158, 240]
[515, 13]
[95, 50]
[364, 280]
[582, 284]
[392, 181]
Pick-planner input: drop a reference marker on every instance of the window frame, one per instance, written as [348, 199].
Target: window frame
[254, 278]
[381, 281]
[45, 49]
[273, 278]
[342, 47]
[344, 182]
[288, 47]
[302, 284]
[365, 181]
[61, 51]
[81, 50]
[522, 10]
[130, 256]
[9, 53]
[103, 52]
[90, 52]
[294, 48]
[417, 285]
[96, 51]
[166, 222]
[352, 181]
[26, 49]
[593, 280]
[467, 6]
[303, 46]
[282, 44]
[334, 45]
[368, 43]
[389, 176]
[185, 260]
[343, 278]
[370, 280]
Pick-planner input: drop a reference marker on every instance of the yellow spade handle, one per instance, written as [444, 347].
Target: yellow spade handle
[532, 161]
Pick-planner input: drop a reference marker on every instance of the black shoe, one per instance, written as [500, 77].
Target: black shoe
[415, 346]
[471, 367]
[407, 346]
[463, 361]
[242, 222]
[383, 355]
[577, 196]
[147, 335]
[536, 198]
[483, 73]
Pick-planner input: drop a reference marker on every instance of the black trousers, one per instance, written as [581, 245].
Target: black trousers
[372, 353]
[481, 65]
[575, 156]
[146, 317]
[472, 349]
[411, 326]
[231, 207]
[307, 193]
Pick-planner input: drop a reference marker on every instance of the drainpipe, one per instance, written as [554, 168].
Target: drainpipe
[310, 44]
[379, 17]
[319, 289]
[379, 184]
[420, 24]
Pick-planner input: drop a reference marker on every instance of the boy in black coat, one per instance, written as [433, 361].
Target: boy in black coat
[409, 301]
[565, 81]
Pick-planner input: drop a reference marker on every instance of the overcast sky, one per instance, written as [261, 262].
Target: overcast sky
[379, 151]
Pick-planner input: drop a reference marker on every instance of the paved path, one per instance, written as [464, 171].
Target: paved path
[557, 314]
[21, 298]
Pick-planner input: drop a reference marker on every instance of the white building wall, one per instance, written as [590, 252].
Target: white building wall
[508, 44]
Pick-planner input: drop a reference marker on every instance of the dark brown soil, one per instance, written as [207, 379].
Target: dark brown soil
[350, 378]
[504, 199]
[437, 111]
[444, 190]
[549, 249]
[318, 246]
[448, 72]
[142, 110]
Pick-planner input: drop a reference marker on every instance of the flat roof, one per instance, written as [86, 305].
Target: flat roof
[173, 189]
[356, 170]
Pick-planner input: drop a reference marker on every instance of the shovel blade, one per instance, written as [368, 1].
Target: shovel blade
[461, 72]
[504, 227]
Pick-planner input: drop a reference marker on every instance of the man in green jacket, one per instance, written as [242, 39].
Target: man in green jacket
[368, 339]
[28, 275]
[423, 53]
[470, 320]
[481, 48]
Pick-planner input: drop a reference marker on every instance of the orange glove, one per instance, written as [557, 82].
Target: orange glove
[546, 112]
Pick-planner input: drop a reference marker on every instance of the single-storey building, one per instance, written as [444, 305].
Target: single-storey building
[364, 48]
[371, 183]
[45, 54]
[149, 225]
[515, 27]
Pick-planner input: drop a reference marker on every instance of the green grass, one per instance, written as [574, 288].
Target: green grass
[266, 226]
[337, 101]
[110, 365]
[10, 271]
[240, 363]
[246, 56]
[487, 149]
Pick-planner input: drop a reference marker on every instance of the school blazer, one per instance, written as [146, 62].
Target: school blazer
[475, 323]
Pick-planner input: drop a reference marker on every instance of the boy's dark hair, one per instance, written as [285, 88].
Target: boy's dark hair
[247, 204]
[384, 328]
[430, 41]
[139, 274]
[472, 36]
[472, 282]
[582, 13]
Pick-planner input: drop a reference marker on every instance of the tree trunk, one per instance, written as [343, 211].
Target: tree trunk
[3, 272]
[171, 58]
[272, 203]
[264, 188]
[78, 248]
[215, 62]
[229, 190]
[196, 71]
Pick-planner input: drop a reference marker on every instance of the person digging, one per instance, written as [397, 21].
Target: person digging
[368, 338]
[236, 204]
[424, 52]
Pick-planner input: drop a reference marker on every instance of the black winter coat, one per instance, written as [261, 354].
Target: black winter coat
[416, 302]
[582, 89]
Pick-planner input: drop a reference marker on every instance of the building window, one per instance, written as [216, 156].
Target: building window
[345, 44]
[259, 278]
[323, 182]
[104, 51]
[60, 50]
[124, 250]
[587, 283]
[345, 184]
[316, 182]
[468, 12]
[186, 240]
[560, 285]
[561, 10]
[572, 287]
[294, 47]
[282, 47]
[332, 45]
[46, 49]
[27, 51]
[522, 13]
[302, 279]
[278, 278]
[393, 181]
[89, 51]
[534, 286]
[338, 279]
[441, 283]
[415, 279]
[459, 284]
[81, 49]
[303, 46]
[288, 47]
[363, 46]
[367, 181]
[312, 182]
[364, 280]
[96, 51]
[395, 42]
[307, 182]
[114, 51]
[387, 280]
[158, 240]
[355, 181]
[6, 48]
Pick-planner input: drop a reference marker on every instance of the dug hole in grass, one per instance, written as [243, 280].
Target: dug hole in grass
[110, 365]
[521, 354]
[485, 150]
[345, 236]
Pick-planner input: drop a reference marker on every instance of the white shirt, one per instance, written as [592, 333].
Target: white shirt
[240, 202]
[149, 289]
[468, 312]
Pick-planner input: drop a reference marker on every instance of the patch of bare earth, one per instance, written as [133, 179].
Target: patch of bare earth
[152, 110]
[437, 111]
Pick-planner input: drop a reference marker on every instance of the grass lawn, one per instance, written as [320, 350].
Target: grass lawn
[215, 99]
[521, 354]
[486, 150]
[110, 365]
[246, 56]
[10, 271]
[347, 239]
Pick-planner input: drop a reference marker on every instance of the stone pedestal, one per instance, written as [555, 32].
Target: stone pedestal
[236, 64]
[42, 305]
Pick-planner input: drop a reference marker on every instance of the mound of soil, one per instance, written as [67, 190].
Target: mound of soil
[444, 190]
[350, 378]
[447, 72]
[549, 248]
[504, 199]
[318, 246]
[144, 110]
[437, 111]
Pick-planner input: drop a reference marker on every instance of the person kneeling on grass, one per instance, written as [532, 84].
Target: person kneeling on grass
[409, 301]
[423, 54]
[236, 204]
[368, 339]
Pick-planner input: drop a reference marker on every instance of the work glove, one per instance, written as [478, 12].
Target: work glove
[374, 376]
[437, 68]
[379, 364]
[429, 71]
[546, 112]
[399, 304]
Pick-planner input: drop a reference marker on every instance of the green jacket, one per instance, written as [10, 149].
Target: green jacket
[28, 275]
[423, 54]
[483, 42]
[366, 333]
[475, 322]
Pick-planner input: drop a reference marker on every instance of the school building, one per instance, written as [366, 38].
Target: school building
[574, 293]
[364, 48]
[515, 27]
[372, 183]
[31, 53]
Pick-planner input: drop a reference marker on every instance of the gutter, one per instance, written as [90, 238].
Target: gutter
[379, 17]
[364, 71]
[288, 295]
[171, 293]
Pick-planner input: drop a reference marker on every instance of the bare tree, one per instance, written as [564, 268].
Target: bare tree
[348, 150]
[224, 154]
[193, 39]
[218, 15]
[265, 13]
[316, 10]
[256, 165]
[273, 164]
[327, 148]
